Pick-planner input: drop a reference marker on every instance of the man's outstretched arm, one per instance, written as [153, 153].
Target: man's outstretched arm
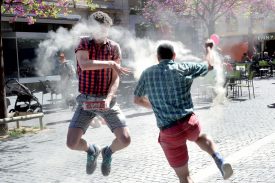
[86, 64]
[143, 101]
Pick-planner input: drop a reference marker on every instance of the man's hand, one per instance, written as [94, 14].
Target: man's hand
[209, 53]
[209, 44]
[120, 70]
[107, 103]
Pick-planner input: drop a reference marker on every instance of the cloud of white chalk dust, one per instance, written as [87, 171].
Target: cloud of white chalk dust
[141, 52]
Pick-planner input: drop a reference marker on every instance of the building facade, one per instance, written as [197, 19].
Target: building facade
[21, 40]
[255, 31]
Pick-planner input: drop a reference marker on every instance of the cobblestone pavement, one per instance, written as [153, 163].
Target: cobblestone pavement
[244, 131]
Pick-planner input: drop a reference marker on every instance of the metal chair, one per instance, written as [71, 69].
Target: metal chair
[264, 68]
[234, 80]
[248, 83]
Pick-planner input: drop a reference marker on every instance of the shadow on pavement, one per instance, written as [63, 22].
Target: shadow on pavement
[238, 99]
[11, 171]
[58, 122]
[55, 108]
[202, 107]
[139, 114]
[13, 149]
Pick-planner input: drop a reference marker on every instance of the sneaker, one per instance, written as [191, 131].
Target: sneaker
[225, 168]
[106, 162]
[227, 171]
[271, 105]
[92, 160]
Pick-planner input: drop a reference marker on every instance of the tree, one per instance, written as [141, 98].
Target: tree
[208, 11]
[31, 10]
[163, 15]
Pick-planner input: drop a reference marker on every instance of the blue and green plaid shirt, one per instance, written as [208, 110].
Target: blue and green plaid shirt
[167, 86]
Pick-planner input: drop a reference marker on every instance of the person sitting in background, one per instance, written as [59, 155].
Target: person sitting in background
[266, 57]
[272, 63]
[256, 57]
[255, 62]
[273, 56]
[245, 58]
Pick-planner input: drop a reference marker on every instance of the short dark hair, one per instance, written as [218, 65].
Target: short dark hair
[102, 18]
[165, 51]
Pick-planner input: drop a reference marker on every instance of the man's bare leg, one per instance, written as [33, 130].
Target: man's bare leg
[74, 140]
[121, 141]
[207, 144]
[183, 174]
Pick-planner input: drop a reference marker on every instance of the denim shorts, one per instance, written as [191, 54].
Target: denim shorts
[82, 118]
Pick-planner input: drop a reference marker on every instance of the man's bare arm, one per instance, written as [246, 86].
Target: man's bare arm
[143, 101]
[85, 63]
[113, 87]
[209, 54]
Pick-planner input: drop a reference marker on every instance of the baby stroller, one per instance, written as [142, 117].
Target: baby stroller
[25, 101]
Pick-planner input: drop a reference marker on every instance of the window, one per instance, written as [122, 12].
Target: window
[26, 64]
[10, 58]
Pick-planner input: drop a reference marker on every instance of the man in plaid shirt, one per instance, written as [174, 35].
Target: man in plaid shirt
[98, 70]
[165, 88]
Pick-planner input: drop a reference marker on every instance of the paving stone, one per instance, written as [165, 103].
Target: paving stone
[44, 157]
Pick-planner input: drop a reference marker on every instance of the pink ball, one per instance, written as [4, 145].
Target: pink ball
[215, 38]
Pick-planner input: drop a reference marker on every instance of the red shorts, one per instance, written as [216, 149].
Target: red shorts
[173, 140]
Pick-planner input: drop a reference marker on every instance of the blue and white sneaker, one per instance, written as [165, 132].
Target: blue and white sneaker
[225, 168]
[92, 160]
[106, 162]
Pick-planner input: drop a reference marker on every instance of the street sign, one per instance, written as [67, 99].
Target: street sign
[266, 37]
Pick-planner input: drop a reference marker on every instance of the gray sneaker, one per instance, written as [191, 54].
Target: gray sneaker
[106, 162]
[227, 171]
[225, 168]
[92, 160]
